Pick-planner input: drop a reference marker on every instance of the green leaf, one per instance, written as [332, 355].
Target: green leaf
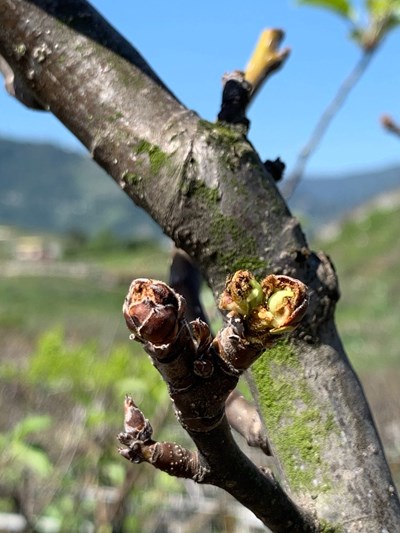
[31, 424]
[382, 8]
[115, 472]
[340, 7]
[31, 457]
[384, 16]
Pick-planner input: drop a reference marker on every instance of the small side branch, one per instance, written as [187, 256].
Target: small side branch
[324, 121]
[390, 125]
[242, 415]
[241, 87]
[244, 418]
[16, 88]
[201, 373]
[266, 59]
[138, 446]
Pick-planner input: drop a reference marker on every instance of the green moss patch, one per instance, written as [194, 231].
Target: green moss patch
[158, 158]
[209, 195]
[296, 424]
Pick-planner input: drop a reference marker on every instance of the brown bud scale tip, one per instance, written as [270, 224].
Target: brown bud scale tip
[153, 311]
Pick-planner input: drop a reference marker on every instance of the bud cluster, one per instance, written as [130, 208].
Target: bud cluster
[272, 307]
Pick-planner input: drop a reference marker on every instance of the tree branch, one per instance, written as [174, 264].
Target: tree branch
[201, 373]
[244, 418]
[241, 414]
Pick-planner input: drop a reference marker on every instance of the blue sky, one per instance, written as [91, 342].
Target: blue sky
[191, 45]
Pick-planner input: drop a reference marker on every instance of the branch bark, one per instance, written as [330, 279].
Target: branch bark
[207, 188]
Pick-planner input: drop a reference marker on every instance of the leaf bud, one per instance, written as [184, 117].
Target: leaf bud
[153, 311]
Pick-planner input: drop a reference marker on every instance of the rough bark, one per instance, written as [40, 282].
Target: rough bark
[207, 188]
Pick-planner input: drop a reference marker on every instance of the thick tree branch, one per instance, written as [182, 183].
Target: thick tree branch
[206, 186]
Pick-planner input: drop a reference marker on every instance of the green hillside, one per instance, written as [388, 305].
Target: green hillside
[366, 254]
[43, 187]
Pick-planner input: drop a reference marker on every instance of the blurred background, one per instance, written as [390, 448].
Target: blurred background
[71, 242]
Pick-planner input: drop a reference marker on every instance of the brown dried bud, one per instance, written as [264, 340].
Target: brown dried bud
[153, 311]
[201, 335]
[388, 123]
[136, 425]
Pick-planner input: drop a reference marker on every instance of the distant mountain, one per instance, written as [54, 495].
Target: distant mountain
[43, 187]
[324, 200]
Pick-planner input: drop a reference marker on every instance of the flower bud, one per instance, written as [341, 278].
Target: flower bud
[271, 308]
[201, 336]
[153, 311]
[242, 293]
[136, 425]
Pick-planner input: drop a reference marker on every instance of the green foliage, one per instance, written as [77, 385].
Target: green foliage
[30, 424]
[383, 8]
[341, 7]
[19, 452]
[83, 372]
[382, 15]
[71, 451]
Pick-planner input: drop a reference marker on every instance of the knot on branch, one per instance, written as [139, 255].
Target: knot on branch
[235, 99]
[276, 168]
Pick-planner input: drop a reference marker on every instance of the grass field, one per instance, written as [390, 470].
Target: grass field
[366, 255]
[87, 307]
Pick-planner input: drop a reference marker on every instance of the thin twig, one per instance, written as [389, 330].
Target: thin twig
[390, 125]
[323, 123]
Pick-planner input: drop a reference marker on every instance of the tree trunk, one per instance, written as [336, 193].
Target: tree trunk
[207, 188]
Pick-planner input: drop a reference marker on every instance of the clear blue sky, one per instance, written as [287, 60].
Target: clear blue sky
[191, 45]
